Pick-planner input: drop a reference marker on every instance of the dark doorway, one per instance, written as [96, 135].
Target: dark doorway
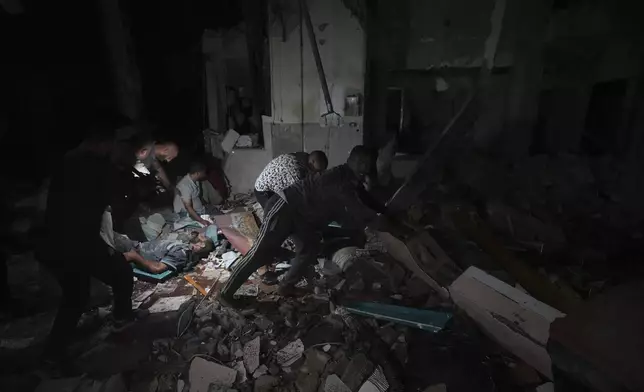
[604, 117]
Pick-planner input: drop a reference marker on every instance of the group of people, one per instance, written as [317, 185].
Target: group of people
[299, 196]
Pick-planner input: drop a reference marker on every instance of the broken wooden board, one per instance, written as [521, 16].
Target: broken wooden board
[517, 321]
[399, 251]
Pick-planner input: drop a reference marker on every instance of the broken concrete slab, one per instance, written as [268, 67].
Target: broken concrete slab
[517, 321]
[169, 304]
[251, 354]
[262, 370]
[291, 353]
[240, 368]
[333, 383]
[377, 382]
[358, 369]
[202, 373]
[315, 361]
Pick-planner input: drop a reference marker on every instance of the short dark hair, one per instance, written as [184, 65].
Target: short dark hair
[359, 152]
[320, 156]
[196, 167]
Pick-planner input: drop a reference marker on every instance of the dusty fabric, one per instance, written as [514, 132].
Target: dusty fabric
[281, 172]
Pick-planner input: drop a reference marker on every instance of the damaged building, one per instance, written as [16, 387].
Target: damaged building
[505, 140]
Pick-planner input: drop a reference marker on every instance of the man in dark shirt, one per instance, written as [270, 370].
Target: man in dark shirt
[78, 195]
[304, 209]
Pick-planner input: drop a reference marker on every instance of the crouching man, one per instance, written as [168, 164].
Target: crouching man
[189, 199]
[303, 210]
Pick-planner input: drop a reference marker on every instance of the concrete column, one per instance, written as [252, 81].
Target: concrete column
[125, 73]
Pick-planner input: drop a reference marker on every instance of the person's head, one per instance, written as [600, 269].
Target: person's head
[166, 151]
[201, 246]
[132, 143]
[360, 161]
[197, 171]
[318, 161]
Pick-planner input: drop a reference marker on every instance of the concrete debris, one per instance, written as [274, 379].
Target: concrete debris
[261, 370]
[169, 304]
[248, 290]
[315, 361]
[334, 384]
[358, 369]
[202, 373]
[263, 323]
[229, 259]
[251, 354]
[241, 372]
[377, 382]
[265, 383]
[345, 257]
[291, 353]
[181, 385]
[223, 352]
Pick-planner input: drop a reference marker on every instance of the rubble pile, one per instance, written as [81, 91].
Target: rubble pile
[563, 214]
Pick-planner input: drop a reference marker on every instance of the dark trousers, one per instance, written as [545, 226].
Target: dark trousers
[263, 197]
[280, 222]
[74, 278]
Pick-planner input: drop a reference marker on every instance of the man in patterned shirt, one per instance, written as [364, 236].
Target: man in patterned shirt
[286, 170]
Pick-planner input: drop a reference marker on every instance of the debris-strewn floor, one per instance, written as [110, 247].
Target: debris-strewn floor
[373, 317]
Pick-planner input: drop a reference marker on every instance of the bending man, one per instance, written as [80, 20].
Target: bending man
[304, 209]
[286, 170]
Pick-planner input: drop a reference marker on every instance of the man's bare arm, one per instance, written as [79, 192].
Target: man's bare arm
[163, 177]
[154, 267]
[193, 214]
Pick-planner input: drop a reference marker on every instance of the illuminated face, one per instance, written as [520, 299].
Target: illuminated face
[169, 152]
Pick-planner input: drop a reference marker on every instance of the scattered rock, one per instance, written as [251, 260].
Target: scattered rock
[260, 371]
[251, 354]
[273, 369]
[223, 352]
[263, 323]
[388, 335]
[307, 382]
[265, 383]
[206, 332]
[334, 384]
[358, 369]
[241, 372]
[315, 362]
[202, 373]
[291, 353]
